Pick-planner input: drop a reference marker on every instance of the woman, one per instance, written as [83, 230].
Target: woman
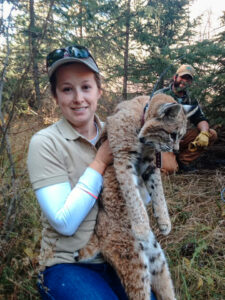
[66, 172]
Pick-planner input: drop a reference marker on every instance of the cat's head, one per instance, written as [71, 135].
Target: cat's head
[165, 123]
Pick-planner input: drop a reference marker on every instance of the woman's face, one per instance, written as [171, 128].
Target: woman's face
[77, 94]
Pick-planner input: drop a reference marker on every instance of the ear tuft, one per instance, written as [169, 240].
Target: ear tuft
[169, 110]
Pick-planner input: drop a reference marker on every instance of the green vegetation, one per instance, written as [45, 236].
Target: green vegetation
[194, 248]
[134, 42]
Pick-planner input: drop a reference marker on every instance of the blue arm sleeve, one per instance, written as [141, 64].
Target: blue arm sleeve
[64, 208]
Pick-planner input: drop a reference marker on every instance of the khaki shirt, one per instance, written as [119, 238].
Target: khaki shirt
[59, 154]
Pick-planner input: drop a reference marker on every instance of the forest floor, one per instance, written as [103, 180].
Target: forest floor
[194, 248]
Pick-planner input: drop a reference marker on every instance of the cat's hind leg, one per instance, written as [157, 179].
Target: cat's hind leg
[161, 282]
[132, 268]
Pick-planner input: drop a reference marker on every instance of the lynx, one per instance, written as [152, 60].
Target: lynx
[136, 131]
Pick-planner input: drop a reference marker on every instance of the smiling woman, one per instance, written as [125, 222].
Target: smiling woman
[66, 171]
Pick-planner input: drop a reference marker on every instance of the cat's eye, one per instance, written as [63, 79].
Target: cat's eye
[173, 136]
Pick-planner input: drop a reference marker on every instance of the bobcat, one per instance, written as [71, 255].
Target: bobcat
[122, 232]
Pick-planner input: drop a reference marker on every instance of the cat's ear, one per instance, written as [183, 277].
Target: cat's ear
[169, 110]
[189, 110]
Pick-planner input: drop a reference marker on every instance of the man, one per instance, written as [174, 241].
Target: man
[197, 138]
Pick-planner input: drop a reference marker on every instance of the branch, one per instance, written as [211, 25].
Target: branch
[4, 130]
[46, 22]
[13, 99]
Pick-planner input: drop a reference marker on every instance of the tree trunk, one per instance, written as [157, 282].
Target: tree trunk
[1, 16]
[45, 25]
[126, 51]
[33, 55]
[81, 17]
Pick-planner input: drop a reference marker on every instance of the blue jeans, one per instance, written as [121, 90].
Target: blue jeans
[81, 282]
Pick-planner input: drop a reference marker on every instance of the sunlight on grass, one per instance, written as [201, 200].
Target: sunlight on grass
[194, 248]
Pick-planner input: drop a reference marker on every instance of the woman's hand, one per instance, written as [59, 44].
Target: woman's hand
[103, 158]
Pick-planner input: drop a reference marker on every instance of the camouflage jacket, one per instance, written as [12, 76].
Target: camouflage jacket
[186, 99]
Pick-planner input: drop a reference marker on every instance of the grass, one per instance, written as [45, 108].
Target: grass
[194, 248]
[20, 239]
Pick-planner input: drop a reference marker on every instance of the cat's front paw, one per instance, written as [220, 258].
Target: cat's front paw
[79, 256]
[165, 228]
[84, 255]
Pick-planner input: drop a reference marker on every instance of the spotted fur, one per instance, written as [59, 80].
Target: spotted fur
[122, 233]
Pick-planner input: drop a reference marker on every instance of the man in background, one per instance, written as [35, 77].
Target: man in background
[198, 137]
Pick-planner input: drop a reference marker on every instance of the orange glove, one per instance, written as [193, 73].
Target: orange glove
[202, 140]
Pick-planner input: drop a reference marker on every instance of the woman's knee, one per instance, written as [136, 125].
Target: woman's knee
[74, 281]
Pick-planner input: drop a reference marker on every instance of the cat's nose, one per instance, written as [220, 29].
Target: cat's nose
[142, 140]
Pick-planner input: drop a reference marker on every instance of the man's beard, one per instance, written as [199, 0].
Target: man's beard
[177, 86]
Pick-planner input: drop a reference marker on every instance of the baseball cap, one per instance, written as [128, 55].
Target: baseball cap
[186, 70]
[75, 53]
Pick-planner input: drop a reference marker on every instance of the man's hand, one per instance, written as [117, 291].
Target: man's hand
[202, 140]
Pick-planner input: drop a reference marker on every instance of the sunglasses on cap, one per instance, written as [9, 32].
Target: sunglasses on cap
[76, 52]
